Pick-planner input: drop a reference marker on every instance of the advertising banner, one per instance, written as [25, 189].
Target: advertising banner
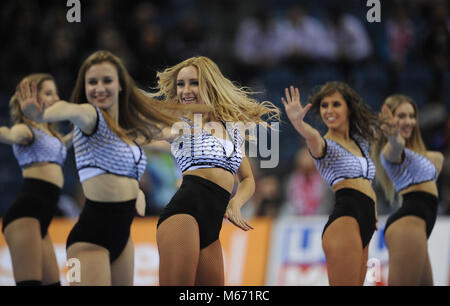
[284, 252]
[297, 259]
[245, 253]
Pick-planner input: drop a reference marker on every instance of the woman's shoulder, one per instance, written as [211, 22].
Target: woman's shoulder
[21, 134]
[24, 129]
[437, 158]
[434, 154]
[22, 126]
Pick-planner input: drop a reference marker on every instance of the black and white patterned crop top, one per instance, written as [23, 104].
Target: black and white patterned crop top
[338, 163]
[105, 152]
[44, 148]
[203, 150]
[414, 169]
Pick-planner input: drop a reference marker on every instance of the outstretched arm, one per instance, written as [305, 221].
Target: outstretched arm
[17, 134]
[82, 115]
[244, 192]
[169, 133]
[67, 140]
[165, 134]
[158, 145]
[393, 149]
[296, 112]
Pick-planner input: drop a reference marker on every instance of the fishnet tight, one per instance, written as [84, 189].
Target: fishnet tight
[182, 263]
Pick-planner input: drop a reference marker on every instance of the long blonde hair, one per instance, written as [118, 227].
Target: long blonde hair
[16, 114]
[414, 143]
[139, 114]
[228, 101]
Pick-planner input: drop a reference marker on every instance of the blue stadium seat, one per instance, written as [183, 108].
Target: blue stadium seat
[275, 81]
[321, 73]
[446, 89]
[371, 81]
[415, 80]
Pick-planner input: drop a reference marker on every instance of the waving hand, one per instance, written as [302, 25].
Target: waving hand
[27, 96]
[394, 147]
[294, 108]
[296, 112]
[389, 127]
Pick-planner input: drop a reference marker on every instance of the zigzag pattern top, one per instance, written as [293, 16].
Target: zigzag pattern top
[105, 152]
[44, 149]
[203, 150]
[414, 169]
[338, 163]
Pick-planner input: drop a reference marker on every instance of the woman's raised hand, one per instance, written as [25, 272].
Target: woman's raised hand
[389, 127]
[293, 107]
[27, 97]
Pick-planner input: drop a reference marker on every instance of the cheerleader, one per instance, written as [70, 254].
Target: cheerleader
[40, 151]
[407, 168]
[342, 158]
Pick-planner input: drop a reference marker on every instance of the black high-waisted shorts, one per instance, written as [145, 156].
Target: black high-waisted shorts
[106, 224]
[203, 200]
[420, 204]
[37, 199]
[353, 203]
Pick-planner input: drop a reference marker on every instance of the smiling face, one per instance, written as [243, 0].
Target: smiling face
[47, 94]
[102, 86]
[405, 115]
[188, 86]
[334, 111]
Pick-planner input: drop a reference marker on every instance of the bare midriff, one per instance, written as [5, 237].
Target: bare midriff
[359, 184]
[48, 172]
[219, 176]
[110, 188]
[429, 187]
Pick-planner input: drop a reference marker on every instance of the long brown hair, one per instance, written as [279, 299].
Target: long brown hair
[139, 114]
[362, 120]
[16, 114]
[414, 143]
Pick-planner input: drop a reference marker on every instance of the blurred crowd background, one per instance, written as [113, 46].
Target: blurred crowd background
[264, 44]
